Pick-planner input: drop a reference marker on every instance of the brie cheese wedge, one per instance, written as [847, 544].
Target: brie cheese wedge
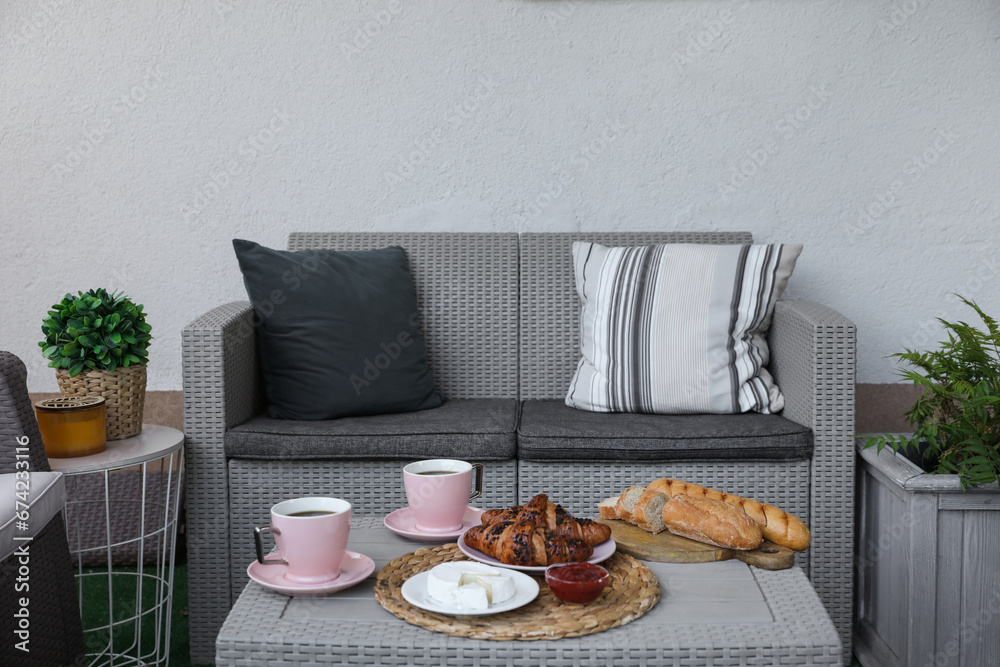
[469, 585]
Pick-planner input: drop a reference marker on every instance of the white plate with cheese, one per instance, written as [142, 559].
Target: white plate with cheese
[467, 588]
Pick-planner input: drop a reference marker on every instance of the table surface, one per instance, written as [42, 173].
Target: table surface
[153, 442]
[722, 613]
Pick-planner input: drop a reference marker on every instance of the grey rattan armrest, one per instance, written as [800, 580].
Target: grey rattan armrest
[222, 388]
[56, 631]
[813, 361]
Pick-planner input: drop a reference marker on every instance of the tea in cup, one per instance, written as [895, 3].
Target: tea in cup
[311, 537]
[439, 491]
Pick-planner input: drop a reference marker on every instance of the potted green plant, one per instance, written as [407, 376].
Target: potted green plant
[97, 341]
[930, 508]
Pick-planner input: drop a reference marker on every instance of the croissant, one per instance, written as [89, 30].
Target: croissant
[522, 543]
[545, 514]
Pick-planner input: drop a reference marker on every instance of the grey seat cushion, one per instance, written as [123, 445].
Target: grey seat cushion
[553, 431]
[472, 429]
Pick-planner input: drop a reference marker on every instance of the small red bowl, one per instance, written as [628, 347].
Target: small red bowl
[576, 583]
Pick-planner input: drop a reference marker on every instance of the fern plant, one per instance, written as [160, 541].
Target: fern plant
[95, 330]
[958, 415]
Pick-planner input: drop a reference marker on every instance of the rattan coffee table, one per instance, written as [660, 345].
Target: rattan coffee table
[723, 613]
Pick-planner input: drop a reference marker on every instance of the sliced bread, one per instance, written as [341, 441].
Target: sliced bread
[608, 508]
[647, 513]
[626, 501]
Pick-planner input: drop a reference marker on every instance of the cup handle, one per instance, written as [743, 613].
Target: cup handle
[479, 481]
[257, 531]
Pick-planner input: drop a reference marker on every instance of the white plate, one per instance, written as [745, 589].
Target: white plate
[602, 552]
[403, 523]
[414, 591]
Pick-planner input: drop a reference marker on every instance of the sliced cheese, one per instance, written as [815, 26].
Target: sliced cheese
[499, 588]
[472, 596]
[465, 583]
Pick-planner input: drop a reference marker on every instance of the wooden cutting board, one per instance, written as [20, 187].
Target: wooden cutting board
[666, 547]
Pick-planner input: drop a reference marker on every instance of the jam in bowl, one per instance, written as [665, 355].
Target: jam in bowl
[576, 583]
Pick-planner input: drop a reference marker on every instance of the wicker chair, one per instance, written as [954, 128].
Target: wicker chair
[501, 323]
[55, 630]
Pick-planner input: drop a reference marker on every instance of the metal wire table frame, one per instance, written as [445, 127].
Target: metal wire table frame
[133, 488]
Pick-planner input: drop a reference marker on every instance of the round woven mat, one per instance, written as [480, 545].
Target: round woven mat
[632, 591]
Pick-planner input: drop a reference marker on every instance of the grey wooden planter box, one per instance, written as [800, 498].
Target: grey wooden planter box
[928, 567]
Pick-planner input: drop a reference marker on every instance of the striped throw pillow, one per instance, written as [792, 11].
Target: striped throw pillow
[678, 328]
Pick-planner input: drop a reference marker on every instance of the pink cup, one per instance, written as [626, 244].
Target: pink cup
[438, 491]
[311, 536]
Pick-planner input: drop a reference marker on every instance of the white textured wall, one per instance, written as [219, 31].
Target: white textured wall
[137, 139]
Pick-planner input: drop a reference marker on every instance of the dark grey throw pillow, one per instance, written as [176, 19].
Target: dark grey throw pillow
[338, 332]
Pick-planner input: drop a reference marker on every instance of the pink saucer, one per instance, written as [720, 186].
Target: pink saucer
[354, 569]
[402, 522]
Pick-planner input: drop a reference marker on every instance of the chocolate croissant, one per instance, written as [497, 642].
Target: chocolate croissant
[522, 543]
[543, 513]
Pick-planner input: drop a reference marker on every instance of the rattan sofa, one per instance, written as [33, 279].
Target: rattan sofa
[501, 318]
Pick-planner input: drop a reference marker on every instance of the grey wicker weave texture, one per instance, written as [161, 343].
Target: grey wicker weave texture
[263, 630]
[503, 322]
[467, 293]
[374, 488]
[220, 390]
[56, 631]
[812, 359]
[813, 352]
[17, 417]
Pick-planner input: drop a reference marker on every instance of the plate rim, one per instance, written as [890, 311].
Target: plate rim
[475, 554]
[520, 579]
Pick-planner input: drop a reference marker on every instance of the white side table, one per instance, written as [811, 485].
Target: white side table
[122, 507]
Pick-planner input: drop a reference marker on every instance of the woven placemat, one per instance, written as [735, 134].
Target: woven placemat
[632, 591]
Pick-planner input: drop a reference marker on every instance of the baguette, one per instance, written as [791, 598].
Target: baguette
[711, 521]
[626, 501]
[775, 524]
[608, 508]
[647, 513]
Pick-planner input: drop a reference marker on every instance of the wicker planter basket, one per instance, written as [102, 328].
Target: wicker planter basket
[124, 392]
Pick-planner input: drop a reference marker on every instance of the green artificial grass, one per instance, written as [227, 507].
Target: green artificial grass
[94, 594]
